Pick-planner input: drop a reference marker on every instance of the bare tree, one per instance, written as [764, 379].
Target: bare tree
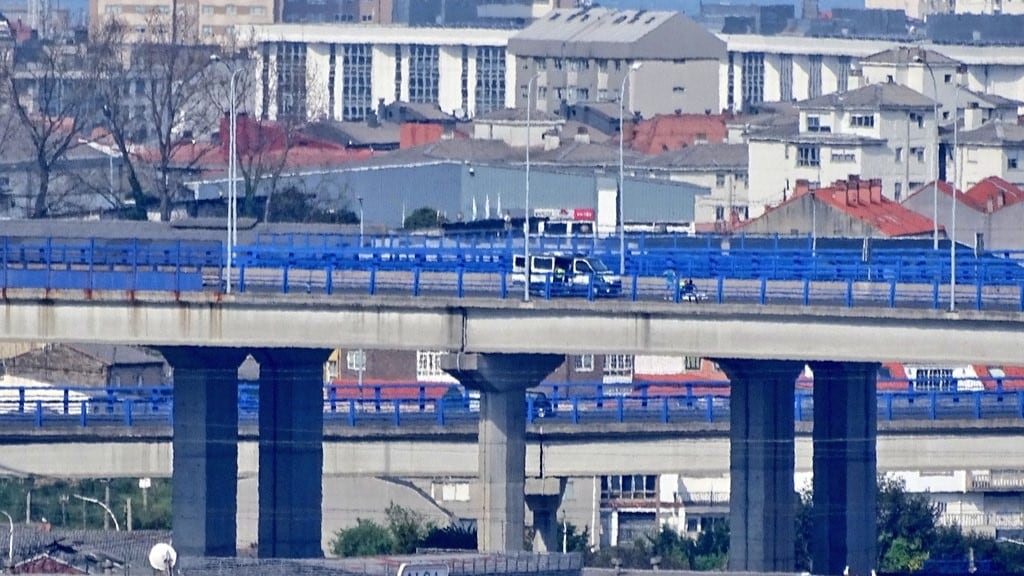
[155, 94]
[48, 88]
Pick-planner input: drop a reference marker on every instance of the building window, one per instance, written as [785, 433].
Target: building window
[691, 362]
[899, 154]
[265, 82]
[719, 180]
[843, 76]
[862, 121]
[332, 67]
[814, 125]
[843, 157]
[948, 79]
[540, 63]
[206, 30]
[490, 79]
[618, 365]
[423, 73]
[814, 77]
[629, 487]
[258, 11]
[730, 98]
[719, 213]
[786, 77]
[230, 10]
[752, 79]
[1012, 161]
[464, 79]
[291, 80]
[207, 10]
[918, 153]
[428, 367]
[583, 363]
[898, 191]
[934, 379]
[917, 118]
[356, 81]
[559, 63]
[398, 73]
[808, 156]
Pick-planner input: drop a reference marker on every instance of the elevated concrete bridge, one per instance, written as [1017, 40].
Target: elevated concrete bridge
[503, 347]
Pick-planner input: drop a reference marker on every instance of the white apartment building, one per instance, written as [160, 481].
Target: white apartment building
[344, 71]
[995, 149]
[721, 168]
[885, 131]
[203, 22]
[792, 68]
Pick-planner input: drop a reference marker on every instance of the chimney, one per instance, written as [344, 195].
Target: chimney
[801, 187]
[988, 205]
[876, 191]
[863, 192]
[582, 136]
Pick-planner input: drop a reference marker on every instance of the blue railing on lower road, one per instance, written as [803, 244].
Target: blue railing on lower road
[25, 408]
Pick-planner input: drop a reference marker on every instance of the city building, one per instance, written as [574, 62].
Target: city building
[667, 132]
[217, 21]
[883, 130]
[925, 71]
[993, 149]
[988, 215]
[346, 71]
[851, 208]
[668, 61]
[721, 168]
[96, 365]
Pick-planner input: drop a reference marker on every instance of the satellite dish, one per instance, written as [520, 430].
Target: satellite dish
[162, 557]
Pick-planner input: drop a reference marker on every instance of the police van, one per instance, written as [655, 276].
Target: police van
[566, 275]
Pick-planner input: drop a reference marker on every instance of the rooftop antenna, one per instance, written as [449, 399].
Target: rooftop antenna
[162, 558]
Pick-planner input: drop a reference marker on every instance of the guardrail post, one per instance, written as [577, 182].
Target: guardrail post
[977, 295]
[529, 409]
[620, 409]
[1020, 403]
[798, 408]
[547, 285]
[643, 397]
[892, 293]
[439, 408]
[373, 280]
[128, 412]
[459, 287]
[849, 293]
[664, 410]
[284, 280]
[590, 287]
[416, 281]
[21, 400]
[352, 412]
[977, 405]
[720, 297]
[933, 409]
[398, 412]
[6, 258]
[575, 410]
[807, 291]
[633, 290]
[39, 413]
[376, 398]
[999, 389]
[600, 396]
[763, 295]
[935, 294]
[710, 400]
[423, 399]
[83, 416]
[689, 395]
[554, 397]
[329, 281]
[67, 401]
[332, 398]
[888, 406]
[503, 277]
[1020, 306]
[241, 278]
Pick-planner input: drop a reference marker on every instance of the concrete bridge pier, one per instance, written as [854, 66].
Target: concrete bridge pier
[761, 464]
[543, 497]
[291, 423]
[502, 380]
[845, 467]
[205, 443]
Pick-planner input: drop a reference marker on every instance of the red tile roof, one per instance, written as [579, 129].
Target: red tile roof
[993, 189]
[674, 131]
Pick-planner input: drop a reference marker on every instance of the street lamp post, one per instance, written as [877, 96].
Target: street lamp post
[956, 173]
[923, 59]
[117, 527]
[360, 198]
[526, 221]
[622, 174]
[232, 173]
[10, 538]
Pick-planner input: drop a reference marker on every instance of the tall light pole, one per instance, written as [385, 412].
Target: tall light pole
[117, 527]
[10, 538]
[622, 173]
[232, 172]
[360, 198]
[956, 173]
[922, 58]
[526, 221]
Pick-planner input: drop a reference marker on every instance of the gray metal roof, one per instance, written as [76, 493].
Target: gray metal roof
[518, 115]
[606, 33]
[702, 158]
[355, 133]
[118, 355]
[575, 153]
[904, 55]
[994, 133]
[886, 95]
[991, 101]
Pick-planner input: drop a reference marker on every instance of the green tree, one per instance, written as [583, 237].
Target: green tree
[424, 217]
[408, 528]
[366, 538]
[906, 526]
[575, 541]
[451, 537]
[711, 551]
[804, 530]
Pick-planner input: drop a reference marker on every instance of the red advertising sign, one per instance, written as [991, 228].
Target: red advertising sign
[583, 214]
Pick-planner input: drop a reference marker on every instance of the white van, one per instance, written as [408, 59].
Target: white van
[568, 275]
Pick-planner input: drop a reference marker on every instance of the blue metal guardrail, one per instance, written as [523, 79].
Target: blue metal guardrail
[421, 405]
[764, 271]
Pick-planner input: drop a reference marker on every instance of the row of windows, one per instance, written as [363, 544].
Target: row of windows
[206, 9]
[580, 64]
[231, 10]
